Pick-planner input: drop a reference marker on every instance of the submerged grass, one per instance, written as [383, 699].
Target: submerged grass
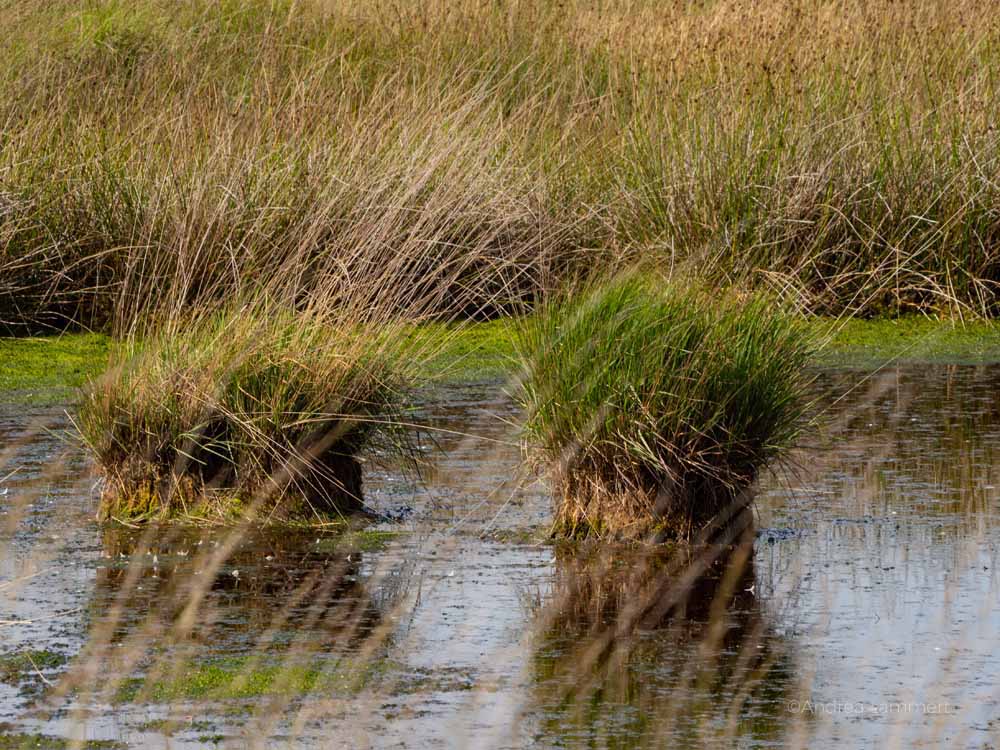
[654, 404]
[14, 665]
[249, 677]
[24, 741]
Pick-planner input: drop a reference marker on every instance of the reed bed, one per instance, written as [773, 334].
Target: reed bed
[654, 405]
[843, 155]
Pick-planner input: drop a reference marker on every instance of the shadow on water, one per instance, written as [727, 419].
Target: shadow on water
[180, 615]
[273, 580]
[641, 645]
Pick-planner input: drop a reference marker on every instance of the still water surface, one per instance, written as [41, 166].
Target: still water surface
[863, 610]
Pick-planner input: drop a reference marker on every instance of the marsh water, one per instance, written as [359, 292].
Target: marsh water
[863, 610]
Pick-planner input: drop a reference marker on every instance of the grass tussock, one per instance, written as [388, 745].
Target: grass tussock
[654, 405]
[251, 412]
[176, 152]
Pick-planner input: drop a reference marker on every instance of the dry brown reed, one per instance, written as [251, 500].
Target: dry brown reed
[173, 152]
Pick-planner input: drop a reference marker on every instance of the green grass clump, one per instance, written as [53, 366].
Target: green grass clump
[243, 413]
[655, 404]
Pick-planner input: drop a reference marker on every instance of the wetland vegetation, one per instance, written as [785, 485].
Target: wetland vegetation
[164, 154]
[267, 264]
[653, 405]
[253, 411]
